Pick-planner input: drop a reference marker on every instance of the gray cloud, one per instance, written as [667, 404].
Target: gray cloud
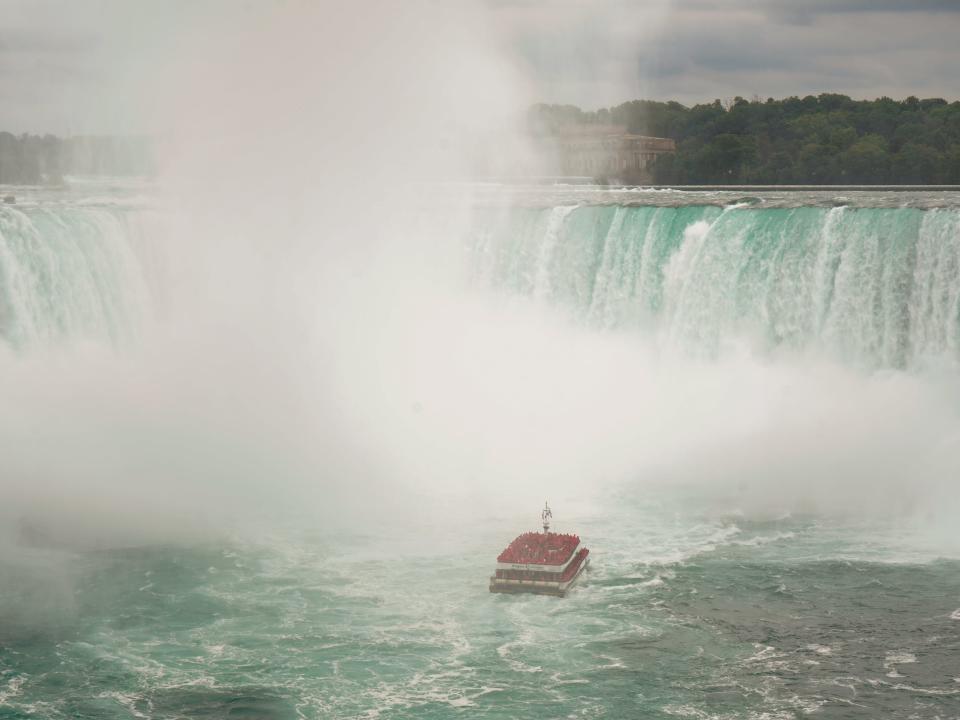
[809, 12]
[694, 50]
[87, 67]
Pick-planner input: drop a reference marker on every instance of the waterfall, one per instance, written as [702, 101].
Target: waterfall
[73, 272]
[876, 286]
[879, 287]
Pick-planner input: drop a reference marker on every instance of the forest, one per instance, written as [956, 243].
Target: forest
[34, 159]
[825, 139]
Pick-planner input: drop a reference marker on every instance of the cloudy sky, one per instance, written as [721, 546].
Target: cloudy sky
[91, 65]
[601, 52]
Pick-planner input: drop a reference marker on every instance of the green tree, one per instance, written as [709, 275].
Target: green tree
[866, 161]
[828, 138]
[918, 164]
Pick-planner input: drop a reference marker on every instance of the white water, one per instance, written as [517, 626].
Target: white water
[566, 352]
[81, 273]
[874, 287]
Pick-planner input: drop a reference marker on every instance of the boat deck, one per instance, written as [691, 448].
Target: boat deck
[539, 587]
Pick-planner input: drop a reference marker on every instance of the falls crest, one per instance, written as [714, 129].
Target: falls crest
[877, 286]
[74, 272]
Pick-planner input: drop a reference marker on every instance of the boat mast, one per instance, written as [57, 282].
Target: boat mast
[545, 516]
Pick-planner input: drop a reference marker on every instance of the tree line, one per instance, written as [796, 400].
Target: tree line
[34, 159]
[824, 139]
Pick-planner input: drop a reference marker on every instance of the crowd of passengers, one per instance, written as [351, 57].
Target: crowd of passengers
[536, 547]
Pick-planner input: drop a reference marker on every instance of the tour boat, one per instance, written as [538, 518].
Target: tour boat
[546, 563]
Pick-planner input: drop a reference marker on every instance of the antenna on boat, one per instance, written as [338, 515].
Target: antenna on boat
[545, 516]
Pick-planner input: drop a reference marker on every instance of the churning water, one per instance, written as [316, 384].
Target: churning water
[877, 286]
[762, 358]
[76, 265]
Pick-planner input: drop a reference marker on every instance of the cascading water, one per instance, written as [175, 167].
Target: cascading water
[73, 272]
[717, 489]
[877, 286]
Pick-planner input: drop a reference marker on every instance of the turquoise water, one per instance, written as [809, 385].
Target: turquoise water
[74, 271]
[877, 287]
[682, 615]
[705, 599]
[870, 286]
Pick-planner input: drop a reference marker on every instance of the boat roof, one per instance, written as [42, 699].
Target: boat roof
[537, 548]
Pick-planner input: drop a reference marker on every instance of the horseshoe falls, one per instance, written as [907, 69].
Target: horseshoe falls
[280, 494]
[878, 287]
[73, 273]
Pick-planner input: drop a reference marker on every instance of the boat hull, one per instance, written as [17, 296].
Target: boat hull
[536, 587]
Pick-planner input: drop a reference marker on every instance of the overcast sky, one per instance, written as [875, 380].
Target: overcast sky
[88, 65]
[602, 52]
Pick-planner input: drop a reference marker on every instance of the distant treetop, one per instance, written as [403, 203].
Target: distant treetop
[32, 159]
[824, 139]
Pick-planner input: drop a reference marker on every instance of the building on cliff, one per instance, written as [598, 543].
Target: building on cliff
[608, 153]
[587, 152]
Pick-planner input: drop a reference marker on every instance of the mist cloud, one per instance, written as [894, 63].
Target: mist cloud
[319, 348]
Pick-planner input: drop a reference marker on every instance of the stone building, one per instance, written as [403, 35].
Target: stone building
[609, 153]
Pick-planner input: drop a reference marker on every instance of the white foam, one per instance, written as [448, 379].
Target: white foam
[558, 679]
[923, 691]
[14, 686]
[695, 545]
[504, 651]
[127, 700]
[768, 652]
[614, 662]
[955, 615]
[686, 711]
[425, 688]
[764, 539]
[200, 681]
[899, 657]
